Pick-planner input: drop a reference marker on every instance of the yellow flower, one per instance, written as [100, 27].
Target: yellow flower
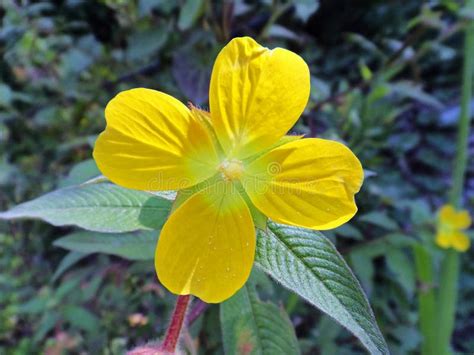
[228, 164]
[451, 223]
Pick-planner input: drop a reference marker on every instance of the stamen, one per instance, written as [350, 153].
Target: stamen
[231, 169]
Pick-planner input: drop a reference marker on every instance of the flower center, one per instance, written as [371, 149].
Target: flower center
[231, 169]
[447, 228]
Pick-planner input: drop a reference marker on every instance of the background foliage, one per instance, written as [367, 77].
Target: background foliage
[385, 80]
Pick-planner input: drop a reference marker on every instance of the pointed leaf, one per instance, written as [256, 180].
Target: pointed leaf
[250, 326]
[68, 261]
[134, 246]
[101, 207]
[308, 264]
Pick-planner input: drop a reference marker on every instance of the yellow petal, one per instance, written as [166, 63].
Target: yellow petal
[207, 246]
[447, 214]
[443, 240]
[256, 95]
[460, 242]
[462, 219]
[309, 183]
[153, 142]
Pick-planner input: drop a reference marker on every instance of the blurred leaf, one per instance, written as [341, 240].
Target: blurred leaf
[415, 92]
[145, 7]
[100, 207]
[47, 323]
[143, 44]
[327, 335]
[66, 287]
[349, 231]
[5, 95]
[75, 61]
[69, 260]
[420, 211]
[192, 77]
[305, 8]
[363, 267]
[250, 326]
[379, 219]
[307, 263]
[80, 173]
[190, 12]
[46, 116]
[409, 337]
[278, 31]
[403, 268]
[364, 43]
[90, 290]
[134, 246]
[81, 318]
[34, 306]
[404, 141]
[380, 246]
[365, 72]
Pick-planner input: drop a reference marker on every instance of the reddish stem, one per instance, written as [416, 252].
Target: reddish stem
[174, 329]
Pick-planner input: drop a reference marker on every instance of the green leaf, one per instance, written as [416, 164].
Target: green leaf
[410, 90]
[305, 8]
[250, 326]
[307, 263]
[46, 324]
[143, 44]
[100, 207]
[133, 246]
[80, 173]
[5, 95]
[69, 260]
[189, 13]
[81, 318]
[403, 269]
[379, 219]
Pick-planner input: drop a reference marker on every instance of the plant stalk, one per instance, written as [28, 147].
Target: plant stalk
[450, 265]
[426, 299]
[177, 320]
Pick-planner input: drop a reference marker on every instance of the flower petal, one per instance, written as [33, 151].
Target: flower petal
[460, 242]
[447, 213]
[153, 142]
[462, 219]
[443, 240]
[207, 246]
[256, 95]
[309, 183]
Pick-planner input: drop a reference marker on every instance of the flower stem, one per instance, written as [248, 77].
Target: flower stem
[460, 163]
[174, 329]
[426, 299]
[450, 265]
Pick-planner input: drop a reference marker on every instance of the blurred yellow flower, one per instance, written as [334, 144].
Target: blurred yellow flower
[228, 163]
[451, 224]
